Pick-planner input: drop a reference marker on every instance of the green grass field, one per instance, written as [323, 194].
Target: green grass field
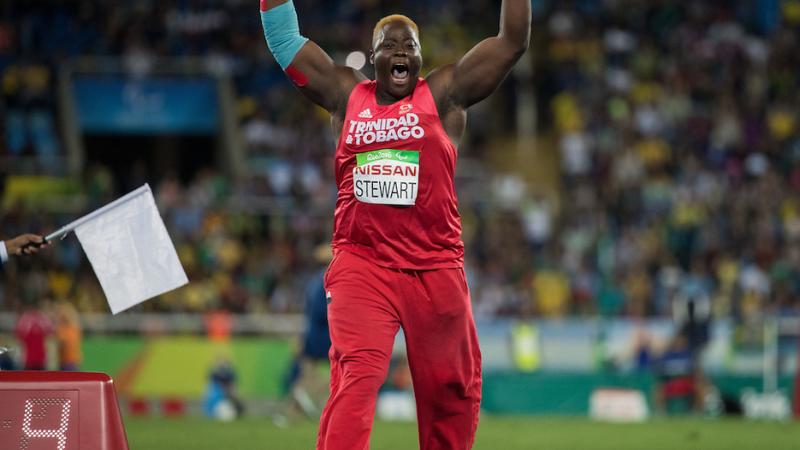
[493, 434]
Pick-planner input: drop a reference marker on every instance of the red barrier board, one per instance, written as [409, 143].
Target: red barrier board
[59, 411]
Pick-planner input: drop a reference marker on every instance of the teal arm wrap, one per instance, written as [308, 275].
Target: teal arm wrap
[282, 33]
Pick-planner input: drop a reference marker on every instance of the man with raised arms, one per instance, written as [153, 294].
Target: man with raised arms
[398, 254]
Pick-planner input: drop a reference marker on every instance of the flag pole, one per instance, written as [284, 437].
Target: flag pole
[62, 232]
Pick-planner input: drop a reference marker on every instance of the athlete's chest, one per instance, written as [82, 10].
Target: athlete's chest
[390, 154]
[370, 126]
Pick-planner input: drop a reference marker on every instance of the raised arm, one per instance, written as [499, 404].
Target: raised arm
[478, 73]
[304, 62]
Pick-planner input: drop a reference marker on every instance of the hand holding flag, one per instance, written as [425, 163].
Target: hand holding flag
[129, 249]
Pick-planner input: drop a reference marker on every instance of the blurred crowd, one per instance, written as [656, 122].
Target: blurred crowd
[247, 244]
[675, 127]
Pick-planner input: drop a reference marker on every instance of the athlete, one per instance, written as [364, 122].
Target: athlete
[398, 254]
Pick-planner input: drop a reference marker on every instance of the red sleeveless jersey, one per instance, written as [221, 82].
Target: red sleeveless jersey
[395, 165]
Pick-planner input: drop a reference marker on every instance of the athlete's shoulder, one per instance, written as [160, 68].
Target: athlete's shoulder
[423, 96]
[422, 85]
[363, 87]
[440, 77]
[367, 84]
[439, 81]
[359, 93]
[349, 80]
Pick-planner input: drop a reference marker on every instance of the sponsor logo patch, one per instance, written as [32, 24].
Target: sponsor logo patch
[387, 177]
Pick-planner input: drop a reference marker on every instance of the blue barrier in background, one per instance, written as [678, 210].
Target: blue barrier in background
[153, 105]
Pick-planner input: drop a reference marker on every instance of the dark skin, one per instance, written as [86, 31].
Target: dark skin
[24, 244]
[455, 87]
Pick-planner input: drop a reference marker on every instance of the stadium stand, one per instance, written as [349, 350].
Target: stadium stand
[672, 129]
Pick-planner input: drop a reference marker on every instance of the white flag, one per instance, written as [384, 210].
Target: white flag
[130, 250]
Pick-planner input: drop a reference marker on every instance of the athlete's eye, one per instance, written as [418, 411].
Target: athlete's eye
[387, 44]
[411, 44]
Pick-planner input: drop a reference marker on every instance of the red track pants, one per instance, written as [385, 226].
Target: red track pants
[368, 304]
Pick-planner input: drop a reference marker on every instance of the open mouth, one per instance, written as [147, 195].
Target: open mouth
[399, 73]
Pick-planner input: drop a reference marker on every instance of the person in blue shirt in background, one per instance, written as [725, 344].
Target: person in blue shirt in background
[306, 380]
[222, 401]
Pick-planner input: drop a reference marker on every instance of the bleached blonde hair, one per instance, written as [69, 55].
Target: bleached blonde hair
[376, 33]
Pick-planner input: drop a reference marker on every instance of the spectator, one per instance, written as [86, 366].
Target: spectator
[307, 388]
[69, 336]
[32, 330]
[221, 399]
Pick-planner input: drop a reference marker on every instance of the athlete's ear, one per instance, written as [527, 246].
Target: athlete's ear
[372, 57]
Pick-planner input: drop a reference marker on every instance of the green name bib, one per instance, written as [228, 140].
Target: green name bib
[387, 177]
